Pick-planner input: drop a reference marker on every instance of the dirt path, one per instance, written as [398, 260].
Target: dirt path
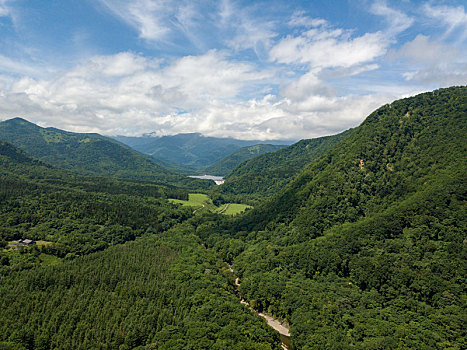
[199, 208]
[224, 209]
[281, 328]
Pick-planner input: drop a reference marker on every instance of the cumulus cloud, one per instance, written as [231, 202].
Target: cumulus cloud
[130, 94]
[300, 19]
[131, 91]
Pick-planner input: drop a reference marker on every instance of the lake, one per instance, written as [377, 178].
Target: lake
[219, 180]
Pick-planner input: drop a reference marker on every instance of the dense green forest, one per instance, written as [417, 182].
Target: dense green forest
[77, 214]
[160, 292]
[366, 248]
[229, 163]
[89, 154]
[267, 174]
[361, 246]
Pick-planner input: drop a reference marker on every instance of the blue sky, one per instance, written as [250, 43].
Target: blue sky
[277, 69]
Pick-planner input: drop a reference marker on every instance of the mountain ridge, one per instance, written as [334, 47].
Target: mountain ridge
[88, 153]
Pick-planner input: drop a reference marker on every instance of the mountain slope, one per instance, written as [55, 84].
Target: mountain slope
[187, 151]
[267, 174]
[85, 153]
[80, 287]
[365, 249]
[382, 161]
[227, 164]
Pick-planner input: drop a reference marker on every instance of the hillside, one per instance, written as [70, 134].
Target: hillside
[76, 214]
[227, 164]
[191, 152]
[87, 153]
[267, 174]
[81, 286]
[366, 248]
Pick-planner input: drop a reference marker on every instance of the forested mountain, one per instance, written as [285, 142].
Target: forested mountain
[87, 153]
[366, 248]
[188, 151]
[227, 164]
[267, 174]
[74, 214]
[164, 291]
[160, 292]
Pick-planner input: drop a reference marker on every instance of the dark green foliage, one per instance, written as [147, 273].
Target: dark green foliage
[369, 254]
[189, 152]
[364, 249]
[267, 174]
[88, 154]
[227, 164]
[163, 293]
[79, 214]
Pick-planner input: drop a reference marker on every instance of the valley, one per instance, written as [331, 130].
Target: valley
[355, 240]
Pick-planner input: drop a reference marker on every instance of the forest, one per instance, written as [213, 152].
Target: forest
[356, 241]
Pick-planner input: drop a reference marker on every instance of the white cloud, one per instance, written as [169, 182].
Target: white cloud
[398, 21]
[299, 19]
[248, 32]
[130, 94]
[4, 11]
[433, 62]
[454, 18]
[149, 17]
[327, 48]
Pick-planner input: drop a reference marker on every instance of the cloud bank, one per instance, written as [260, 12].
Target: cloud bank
[307, 77]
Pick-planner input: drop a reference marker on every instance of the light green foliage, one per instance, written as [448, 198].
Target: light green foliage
[202, 202]
[235, 208]
[195, 200]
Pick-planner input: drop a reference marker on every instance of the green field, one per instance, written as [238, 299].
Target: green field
[200, 201]
[233, 208]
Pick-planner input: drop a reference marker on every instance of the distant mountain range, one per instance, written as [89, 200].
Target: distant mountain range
[88, 153]
[193, 151]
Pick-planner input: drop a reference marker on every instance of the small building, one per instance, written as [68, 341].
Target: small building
[26, 242]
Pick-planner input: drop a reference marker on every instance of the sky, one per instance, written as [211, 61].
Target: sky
[275, 69]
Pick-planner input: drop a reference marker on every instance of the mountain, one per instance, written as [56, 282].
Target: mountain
[227, 164]
[191, 152]
[267, 174]
[365, 248]
[86, 153]
[113, 266]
